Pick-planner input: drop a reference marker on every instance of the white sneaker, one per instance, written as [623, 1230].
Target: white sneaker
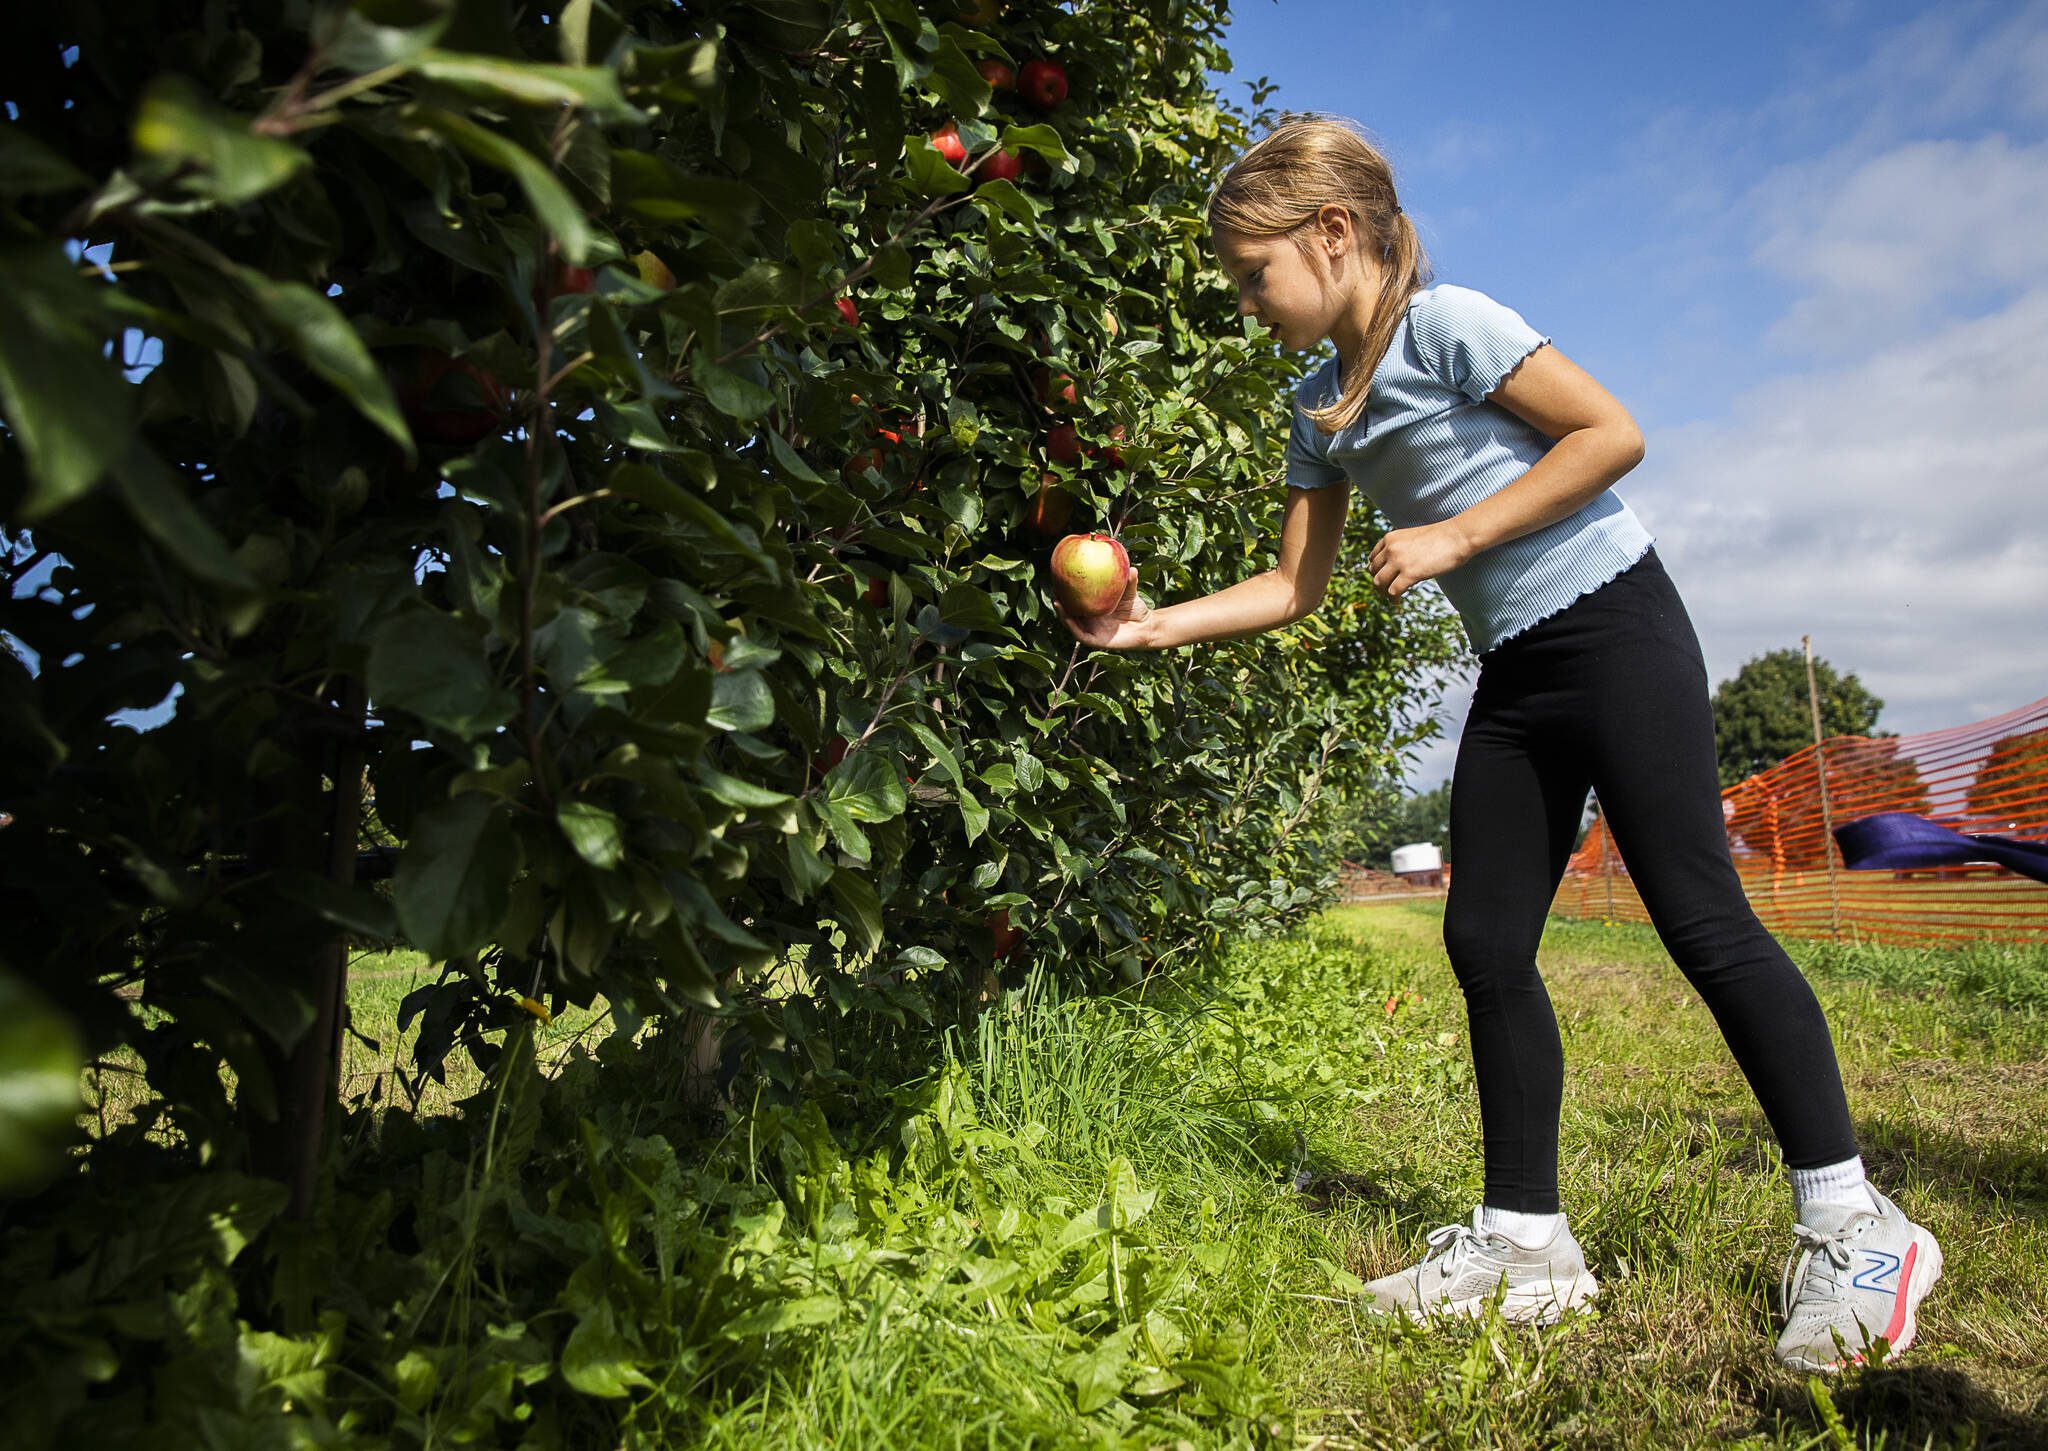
[1853, 1279]
[1466, 1267]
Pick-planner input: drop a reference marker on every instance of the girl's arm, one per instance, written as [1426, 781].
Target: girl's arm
[1597, 442]
[1310, 531]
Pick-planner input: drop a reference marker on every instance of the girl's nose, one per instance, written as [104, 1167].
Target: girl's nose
[1244, 305]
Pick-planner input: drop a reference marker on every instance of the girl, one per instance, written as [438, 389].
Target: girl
[1491, 456]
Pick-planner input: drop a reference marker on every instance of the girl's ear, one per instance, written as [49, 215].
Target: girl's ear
[1336, 232]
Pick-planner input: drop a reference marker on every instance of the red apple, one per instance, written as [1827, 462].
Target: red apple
[946, 141]
[1000, 166]
[832, 755]
[452, 400]
[998, 73]
[1089, 573]
[1063, 444]
[877, 591]
[1051, 509]
[1042, 83]
[1002, 937]
[1109, 453]
[1056, 390]
[848, 311]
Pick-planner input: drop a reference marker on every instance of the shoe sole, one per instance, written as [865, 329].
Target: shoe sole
[1926, 1270]
[1521, 1305]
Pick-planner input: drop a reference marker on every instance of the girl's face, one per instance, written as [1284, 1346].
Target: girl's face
[1300, 295]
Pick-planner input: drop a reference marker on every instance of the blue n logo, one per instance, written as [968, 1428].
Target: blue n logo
[1878, 1268]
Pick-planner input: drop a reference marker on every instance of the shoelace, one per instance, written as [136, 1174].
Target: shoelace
[1451, 1243]
[1834, 1252]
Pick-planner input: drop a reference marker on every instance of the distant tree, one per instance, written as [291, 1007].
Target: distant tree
[2009, 796]
[1396, 818]
[1761, 714]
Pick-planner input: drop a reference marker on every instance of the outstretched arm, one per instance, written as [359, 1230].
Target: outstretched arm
[1597, 442]
[1310, 530]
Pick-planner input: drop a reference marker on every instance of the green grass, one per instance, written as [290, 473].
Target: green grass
[1297, 1134]
[1137, 1222]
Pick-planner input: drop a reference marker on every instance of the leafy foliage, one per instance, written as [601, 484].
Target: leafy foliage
[1762, 713]
[512, 497]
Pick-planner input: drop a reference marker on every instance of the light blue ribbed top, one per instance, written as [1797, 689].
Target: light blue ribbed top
[1429, 445]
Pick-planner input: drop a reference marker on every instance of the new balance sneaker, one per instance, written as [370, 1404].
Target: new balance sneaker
[1854, 1278]
[1467, 1266]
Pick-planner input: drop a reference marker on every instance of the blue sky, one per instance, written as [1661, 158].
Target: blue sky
[1806, 243]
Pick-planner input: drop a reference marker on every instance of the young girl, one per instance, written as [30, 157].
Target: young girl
[1491, 456]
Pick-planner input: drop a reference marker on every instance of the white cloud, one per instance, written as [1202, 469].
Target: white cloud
[1904, 236]
[1895, 509]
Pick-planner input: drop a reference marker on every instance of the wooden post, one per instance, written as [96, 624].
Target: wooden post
[1827, 815]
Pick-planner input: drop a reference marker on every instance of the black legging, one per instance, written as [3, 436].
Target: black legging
[1611, 693]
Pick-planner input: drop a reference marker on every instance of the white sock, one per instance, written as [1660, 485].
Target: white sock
[1840, 1184]
[1530, 1231]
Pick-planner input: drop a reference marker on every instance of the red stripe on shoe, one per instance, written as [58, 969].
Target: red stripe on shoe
[1900, 1307]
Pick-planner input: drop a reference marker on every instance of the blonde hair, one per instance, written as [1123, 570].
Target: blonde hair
[1279, 187]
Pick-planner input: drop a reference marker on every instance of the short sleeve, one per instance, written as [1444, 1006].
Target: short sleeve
[1469, 341]
[1308, 450]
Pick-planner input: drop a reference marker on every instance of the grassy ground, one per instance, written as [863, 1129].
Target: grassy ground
[1677, 1192]
[1134, 1222]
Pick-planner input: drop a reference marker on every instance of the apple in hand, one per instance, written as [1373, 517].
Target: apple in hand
[1090, 573]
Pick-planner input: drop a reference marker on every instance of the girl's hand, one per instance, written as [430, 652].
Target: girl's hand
[1123, 628]
[1405, 558]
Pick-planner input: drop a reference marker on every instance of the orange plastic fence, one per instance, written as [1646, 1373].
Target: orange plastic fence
[1991, 777]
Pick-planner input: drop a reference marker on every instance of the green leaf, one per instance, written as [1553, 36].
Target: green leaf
[431, 665]
[1004, 196]
[65, 403]
[728, 392]
[650, 189]
[973, 815]
[740, 701]
[455, 876]
[809, 870]
[158, 504]
[361, 45]
[783, 1315]
[528, 83]
[228, 163]
[551, 202]
[355, 909]
[597, 1360]
[734, 792]
[41, 1058]
[321, 336]
[763, 285]
[868, 786]
[790, 463]
[30, 168]
[856, 896]
[1041, 139]
[594, 832]
[930, 173]
[932, 741]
